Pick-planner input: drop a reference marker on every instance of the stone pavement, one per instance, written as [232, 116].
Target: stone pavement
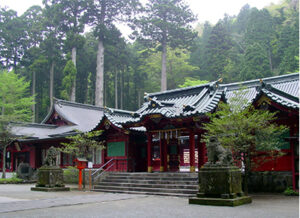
[19, 201]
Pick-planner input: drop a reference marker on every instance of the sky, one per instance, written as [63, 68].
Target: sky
[206, 10]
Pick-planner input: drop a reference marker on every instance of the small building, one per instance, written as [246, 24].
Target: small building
[65, 119]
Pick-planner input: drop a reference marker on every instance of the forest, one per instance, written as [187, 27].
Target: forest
[74, 49]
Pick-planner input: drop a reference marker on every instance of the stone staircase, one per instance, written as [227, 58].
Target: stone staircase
[168, 184]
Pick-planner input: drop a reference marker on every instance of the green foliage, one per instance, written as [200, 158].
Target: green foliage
[168, 21]
[291, 192]
[71, 175]
[243, 128]
[14, 106]
[12, 180]
[82, 144]
[192, 82]
[253, 44]
[15, 101]
[218, 47]
[69, 77]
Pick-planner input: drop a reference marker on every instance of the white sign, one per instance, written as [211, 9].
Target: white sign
[90, 165]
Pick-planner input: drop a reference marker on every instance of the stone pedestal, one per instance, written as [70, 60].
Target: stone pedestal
[50, 178]
[220, 186]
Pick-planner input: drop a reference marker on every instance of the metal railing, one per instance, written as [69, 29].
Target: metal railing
[98, 172]
[119, 164]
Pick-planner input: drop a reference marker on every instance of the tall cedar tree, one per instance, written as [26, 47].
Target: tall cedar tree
[68, 80]
[73, 17]
[218, 47]
[244, 129]
[12, 38]
[167, 22]
[52, 43]
[103, 14]
[15, 106]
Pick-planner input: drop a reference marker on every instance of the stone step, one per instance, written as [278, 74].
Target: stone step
[143, 174]
[152, 178]
[154, 175]
[145, 193]
[150, 190]
[171, 184]
[179, 182]
[140, 185]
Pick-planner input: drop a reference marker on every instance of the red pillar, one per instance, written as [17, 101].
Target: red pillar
[165, 156]
[149, 152]
[292, 147]
[32, 156]
[161, 152]
[80, 179]
[192, 151]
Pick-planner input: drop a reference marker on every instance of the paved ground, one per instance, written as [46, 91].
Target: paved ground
[19, 201]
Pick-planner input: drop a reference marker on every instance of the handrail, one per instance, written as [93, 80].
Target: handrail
[101, 168]
[96, 177]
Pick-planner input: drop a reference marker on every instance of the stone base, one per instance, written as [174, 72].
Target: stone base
[221, 201]
[53, 189]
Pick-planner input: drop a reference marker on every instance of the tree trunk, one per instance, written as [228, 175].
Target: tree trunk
[164, 65]
[73, 89]
[33, 94]
[122, 89]
[270, 60]
[116, 89]
[139, 98]
[246, 177]
[51, 84]
[99, 75]
[4, 162]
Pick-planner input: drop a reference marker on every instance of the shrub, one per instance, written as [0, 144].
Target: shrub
[291, 192]
[71, 175]
[12, 180]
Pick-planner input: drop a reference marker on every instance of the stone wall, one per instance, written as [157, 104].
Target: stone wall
[270, 181]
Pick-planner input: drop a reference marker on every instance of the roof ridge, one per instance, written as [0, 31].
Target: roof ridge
[254, 82]
[88, 106]
[121, 111]
[181, 89]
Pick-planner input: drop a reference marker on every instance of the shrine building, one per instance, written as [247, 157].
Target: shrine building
[164, 134]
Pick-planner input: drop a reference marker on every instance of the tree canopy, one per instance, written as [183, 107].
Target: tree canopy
[244, 129]
[38, 44]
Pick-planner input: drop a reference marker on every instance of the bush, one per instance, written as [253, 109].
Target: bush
[71, 175]
[12, 180]
[290, 192]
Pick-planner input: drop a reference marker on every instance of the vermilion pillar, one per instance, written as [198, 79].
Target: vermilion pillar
[149, 152]
[161, 151]
[165, 155]
[192, 151]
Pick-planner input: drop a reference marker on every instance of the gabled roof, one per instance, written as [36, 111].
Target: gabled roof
[180, 102]
[283, 89]
[80, 117]
[184, 102]
[201, 99]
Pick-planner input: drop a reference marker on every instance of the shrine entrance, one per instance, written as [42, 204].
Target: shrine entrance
[176, 154]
